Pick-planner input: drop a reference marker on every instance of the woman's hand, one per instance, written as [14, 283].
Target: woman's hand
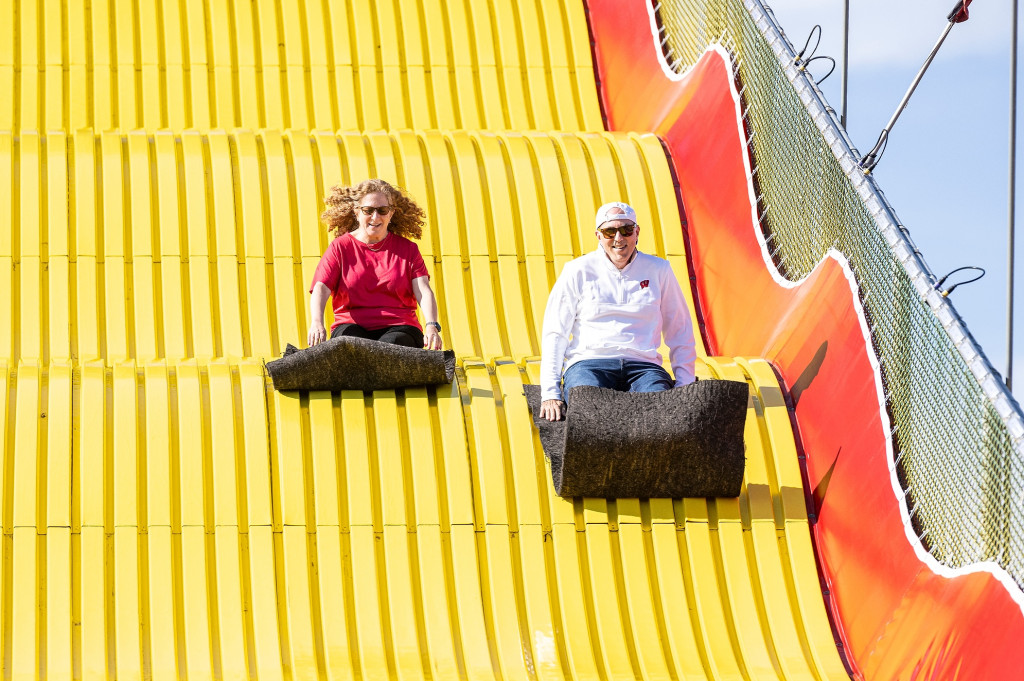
[317, 333]
[551, 410]
[428, 304]
[432, 339]
[317, 299]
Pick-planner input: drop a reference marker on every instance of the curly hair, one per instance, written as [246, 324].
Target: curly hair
[340, 215]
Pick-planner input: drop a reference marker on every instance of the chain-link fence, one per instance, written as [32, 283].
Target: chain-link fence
[957, 432]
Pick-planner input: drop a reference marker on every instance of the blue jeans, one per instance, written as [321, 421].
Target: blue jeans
[627, 375]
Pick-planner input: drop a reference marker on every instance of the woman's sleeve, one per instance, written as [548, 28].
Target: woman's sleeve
[328, 270]
[419, 268]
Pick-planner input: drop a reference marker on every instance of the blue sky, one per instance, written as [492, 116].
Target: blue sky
[945, 168]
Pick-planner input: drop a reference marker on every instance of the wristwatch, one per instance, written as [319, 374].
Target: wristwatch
[435, 325]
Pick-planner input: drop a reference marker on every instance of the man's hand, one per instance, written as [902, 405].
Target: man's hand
[432, 339]
[317, 333]
[552, 410]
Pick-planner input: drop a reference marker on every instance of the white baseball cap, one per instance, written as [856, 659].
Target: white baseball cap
[616, 210]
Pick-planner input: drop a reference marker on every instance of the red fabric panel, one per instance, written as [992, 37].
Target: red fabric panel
[898, 617]
[962, 14]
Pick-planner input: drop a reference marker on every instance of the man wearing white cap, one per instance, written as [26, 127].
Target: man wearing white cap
[606, 316]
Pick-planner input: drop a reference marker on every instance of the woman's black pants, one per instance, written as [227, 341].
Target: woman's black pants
[403, 334]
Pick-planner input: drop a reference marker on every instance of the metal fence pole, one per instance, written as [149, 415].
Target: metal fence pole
[846, 60]
[1012, 192]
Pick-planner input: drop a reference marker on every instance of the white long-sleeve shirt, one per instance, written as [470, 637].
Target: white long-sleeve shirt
[597, 311]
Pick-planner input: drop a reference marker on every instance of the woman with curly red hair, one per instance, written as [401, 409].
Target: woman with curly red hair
[372, 271]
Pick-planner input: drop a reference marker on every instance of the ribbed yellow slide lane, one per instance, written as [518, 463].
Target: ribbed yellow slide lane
[294, 35]
[124, 39]
[760, 652]
[90, 580]
[414, 171]
[262, 29]
[641, 607]
[389, 445]
[607, 176]
[465, 89]
[117, 333]
[431, 501]
[30, 252]
[317, 53]
[26, 543]
[510, 65]
[126, 475]
[222, 58]
[452, 457]
[169, 305]
[328, 472]
[290, 449]
[485, 449]
[226, 252]
[503, 564]
[357, 505]
[197, 293]
[7, 274]
[484, 57]
[28, 445]
[683, 652]
[8, 62]
[28, 27]
[536, 614]
[392, 72]
[153, 90]
[143, 249]
[794, 543]
[162, 513]
[266, 628]
[426, 51]
[57, 283]
[581, 67]
[8, 403]
[763, 490]
[105, 103]
[580, 193]
[328, 486]
[605, 584]
[562, 510]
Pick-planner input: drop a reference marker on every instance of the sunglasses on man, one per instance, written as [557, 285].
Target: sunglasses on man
[379, 210]
[625, 230]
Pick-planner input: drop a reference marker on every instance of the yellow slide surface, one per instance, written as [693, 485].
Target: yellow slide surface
[167, 514]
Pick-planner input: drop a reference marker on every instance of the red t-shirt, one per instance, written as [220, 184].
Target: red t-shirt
[372, 288]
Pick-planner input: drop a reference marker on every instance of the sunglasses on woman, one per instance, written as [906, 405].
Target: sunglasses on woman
[609, 232]
[379, 210]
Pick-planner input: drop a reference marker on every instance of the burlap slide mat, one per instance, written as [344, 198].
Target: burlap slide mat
[348, 363]
[683, 442]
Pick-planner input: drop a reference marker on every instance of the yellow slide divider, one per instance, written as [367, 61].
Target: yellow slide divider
[167, 514]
